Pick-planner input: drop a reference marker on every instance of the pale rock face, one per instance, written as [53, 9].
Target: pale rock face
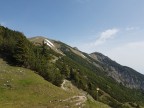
[53, 46]
[50, 44]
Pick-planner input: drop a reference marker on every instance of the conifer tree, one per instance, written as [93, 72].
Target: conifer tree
[21, 53]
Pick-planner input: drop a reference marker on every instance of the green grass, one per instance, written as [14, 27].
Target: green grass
[22, 88]
[95, 104]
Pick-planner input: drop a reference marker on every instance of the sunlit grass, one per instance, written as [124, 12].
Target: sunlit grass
[20, 87]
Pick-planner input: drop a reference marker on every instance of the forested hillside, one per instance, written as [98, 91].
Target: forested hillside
[15, 47]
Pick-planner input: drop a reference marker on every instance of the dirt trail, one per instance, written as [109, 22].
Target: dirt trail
[81, 100]
[62, 85]
[78, 100]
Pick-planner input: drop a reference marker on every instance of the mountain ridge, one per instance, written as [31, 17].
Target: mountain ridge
[118, 76]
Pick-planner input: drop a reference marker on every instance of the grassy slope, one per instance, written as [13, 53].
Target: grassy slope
[22, 88]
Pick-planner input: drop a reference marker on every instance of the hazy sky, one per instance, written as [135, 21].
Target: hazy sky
[112, 27]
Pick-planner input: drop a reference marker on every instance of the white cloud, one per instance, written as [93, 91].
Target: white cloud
[130, 54]
[91, 45]
[106, 35]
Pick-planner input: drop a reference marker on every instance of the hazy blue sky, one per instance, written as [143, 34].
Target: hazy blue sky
[112, 27]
